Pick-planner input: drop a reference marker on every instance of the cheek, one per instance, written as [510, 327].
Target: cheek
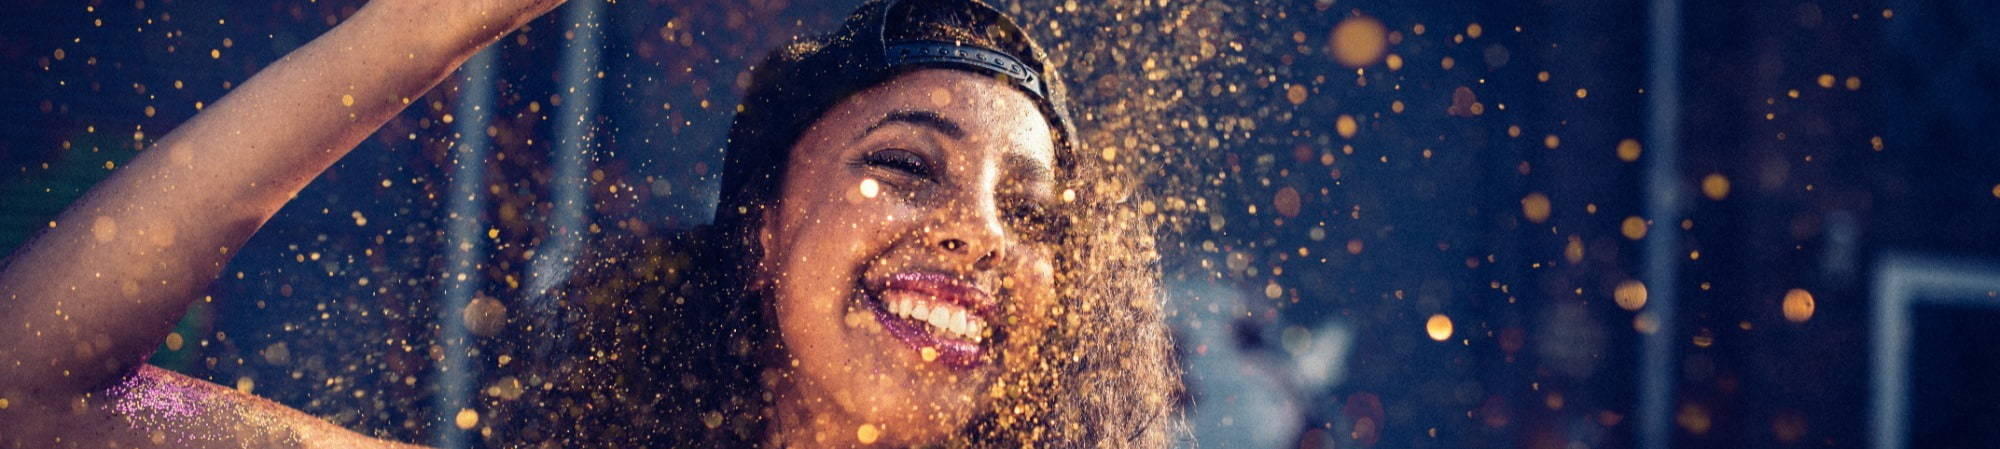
[826, 241]
[1033, 286]
[834, 218]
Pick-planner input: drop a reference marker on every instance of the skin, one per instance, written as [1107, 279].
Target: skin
[87, 301]
[90, 298]
[987, 155]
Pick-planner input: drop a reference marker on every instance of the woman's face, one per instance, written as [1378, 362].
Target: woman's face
[912, 243]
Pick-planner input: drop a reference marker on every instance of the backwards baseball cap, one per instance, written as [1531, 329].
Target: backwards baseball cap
[1021, 65]
[881, 39]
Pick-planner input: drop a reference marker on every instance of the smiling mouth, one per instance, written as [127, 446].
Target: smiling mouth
[940, 318]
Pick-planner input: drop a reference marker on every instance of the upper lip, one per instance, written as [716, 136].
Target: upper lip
[943, 287]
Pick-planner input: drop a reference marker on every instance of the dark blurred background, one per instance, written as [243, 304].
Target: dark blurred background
[1548, 224]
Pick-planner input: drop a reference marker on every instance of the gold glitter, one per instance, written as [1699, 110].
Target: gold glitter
[1633, 228]
[1628, 150]
[867, 434]
[1715, 186]
[1630, 295]
[1359, 41]
[870, 188]
[1439, 327]
[1536, 207]
[1799, 305]
[104, 229]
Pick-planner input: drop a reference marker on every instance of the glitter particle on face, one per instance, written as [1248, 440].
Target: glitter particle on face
[868, 434]
[870, 188]
[929, 354]
[104, 229]
[347, 100]
[940, 97]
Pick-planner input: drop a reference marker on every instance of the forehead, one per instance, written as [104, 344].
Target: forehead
[993, 116]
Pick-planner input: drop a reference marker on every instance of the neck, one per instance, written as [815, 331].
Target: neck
[800, 421]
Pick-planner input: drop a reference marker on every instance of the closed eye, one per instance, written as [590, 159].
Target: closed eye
[896, 159]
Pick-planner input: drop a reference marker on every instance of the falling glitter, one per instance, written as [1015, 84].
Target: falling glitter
[870, 188]
[1438, 327]
[1359, 41]
[1799, 305]
[1630, 295]
[867, 433]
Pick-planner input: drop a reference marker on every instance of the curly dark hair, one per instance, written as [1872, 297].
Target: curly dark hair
[675, 337]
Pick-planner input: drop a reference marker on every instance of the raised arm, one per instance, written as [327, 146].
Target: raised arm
[84, 304]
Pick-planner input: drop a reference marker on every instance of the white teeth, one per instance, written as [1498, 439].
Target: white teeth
[943, 318]
[957, 324]
[938, 317]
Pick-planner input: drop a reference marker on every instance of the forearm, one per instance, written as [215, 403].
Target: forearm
[92, 296]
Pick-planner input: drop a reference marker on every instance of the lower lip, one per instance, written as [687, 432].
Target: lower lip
[953, 353]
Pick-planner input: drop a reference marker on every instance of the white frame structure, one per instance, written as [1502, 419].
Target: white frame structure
[1902, 281]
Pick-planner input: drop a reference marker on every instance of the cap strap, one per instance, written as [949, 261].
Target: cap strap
[937, 52]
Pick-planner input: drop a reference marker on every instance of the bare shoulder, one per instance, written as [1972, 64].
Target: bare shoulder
[154, 407]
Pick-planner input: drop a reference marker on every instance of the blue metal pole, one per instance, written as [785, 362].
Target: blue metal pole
[464, 250]
[1663, 207]
[574, 135]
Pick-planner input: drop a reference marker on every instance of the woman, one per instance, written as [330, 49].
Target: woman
[913, 256]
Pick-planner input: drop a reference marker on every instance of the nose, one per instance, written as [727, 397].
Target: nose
[969, 231]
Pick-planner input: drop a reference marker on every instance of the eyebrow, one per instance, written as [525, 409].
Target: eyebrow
[925, 119]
